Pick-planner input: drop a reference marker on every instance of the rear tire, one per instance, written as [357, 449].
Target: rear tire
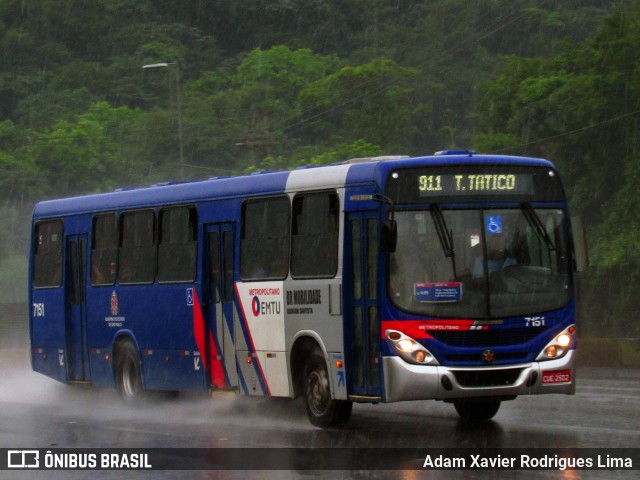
[322, 410]
[128, 373]
[473, 410]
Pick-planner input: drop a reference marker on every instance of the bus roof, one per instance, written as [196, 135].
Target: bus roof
[360, 171]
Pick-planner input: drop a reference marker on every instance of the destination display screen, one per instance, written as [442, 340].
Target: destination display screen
[477, 182]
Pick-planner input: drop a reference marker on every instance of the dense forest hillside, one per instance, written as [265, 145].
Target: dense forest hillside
[233, 86]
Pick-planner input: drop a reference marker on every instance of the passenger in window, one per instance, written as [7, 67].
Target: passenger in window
[498, 256]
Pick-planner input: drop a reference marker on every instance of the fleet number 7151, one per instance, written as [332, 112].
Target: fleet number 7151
[534, 321]
[38, 309]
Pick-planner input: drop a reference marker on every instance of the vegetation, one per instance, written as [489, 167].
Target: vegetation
[257, 84]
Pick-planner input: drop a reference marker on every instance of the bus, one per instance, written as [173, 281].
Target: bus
[449, 277]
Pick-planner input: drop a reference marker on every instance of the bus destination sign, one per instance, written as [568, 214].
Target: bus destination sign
[508, 183]
[474, 183]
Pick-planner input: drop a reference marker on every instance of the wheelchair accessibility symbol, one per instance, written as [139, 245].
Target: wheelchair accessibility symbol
[189, 297]
[494, 224]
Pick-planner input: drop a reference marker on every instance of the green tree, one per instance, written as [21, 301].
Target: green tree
[578, 108]
[371, 101]
[90, 151]
[342, 152]
[241, 113]
[318, 155]
[268, 83]
[19, 179]
[581, 109]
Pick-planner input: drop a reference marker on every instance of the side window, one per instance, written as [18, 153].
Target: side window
[314, 241]
[227, 267]
[137, 253]
[104, 250]
[177, 251]
[215, 284]
[47, 260]
[264, 243]
[221, 267]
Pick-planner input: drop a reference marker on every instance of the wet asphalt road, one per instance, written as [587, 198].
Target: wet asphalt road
[36, 412]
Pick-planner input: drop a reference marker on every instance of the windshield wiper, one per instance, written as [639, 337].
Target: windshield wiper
[445, 236]
[535, 222]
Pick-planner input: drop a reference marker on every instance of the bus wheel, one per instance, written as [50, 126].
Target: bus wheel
[472, 410]
[322, 410]
[128, 373]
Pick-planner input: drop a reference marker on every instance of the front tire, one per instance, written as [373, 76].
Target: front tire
[474, 410]
[322, 410]
[128, 373]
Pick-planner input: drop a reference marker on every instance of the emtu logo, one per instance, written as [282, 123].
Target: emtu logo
[255, 306]
[265, 309]
[23, 459]
[265, 302]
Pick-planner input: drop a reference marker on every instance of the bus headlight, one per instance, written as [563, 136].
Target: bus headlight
[409, 349]
[406, 345]
[559, 346]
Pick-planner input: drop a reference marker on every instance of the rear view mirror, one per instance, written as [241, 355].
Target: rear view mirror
[581, 252]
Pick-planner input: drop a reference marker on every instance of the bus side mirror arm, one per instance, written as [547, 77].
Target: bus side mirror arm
[581, 253]
[388, 236]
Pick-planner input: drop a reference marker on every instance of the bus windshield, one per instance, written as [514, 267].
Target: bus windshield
[480, 263]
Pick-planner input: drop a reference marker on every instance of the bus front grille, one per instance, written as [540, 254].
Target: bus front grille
[487, 378]
[488, 338]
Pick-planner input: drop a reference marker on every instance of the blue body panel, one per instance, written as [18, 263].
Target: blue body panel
[160, 319]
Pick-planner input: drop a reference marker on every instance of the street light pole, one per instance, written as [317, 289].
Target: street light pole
[178, 107]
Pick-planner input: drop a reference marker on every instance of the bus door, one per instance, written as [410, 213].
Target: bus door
[75, 321]
[219, 316]
[362, 325]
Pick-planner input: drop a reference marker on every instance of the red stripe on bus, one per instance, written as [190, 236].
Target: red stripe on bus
[421, 328]
[216, 371]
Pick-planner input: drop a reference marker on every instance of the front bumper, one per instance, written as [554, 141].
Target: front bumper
[404, 381]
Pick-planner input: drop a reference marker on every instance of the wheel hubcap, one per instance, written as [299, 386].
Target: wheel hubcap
[317, 392]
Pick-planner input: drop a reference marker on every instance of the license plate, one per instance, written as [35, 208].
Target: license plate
[556, 376]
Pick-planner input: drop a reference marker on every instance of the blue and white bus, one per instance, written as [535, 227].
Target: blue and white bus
[449, 277]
